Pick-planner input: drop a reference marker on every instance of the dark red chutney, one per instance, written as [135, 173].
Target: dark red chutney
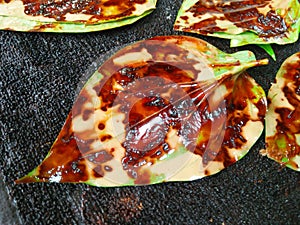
[163, 97]
[243, 14]
[59, 9]
[155, 98]
[287, 123]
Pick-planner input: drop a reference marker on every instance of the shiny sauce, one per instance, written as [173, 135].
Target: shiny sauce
[166, 99]
[243, 14]
[155, 107]
[157, 99]
[98, 9]
[288, 122]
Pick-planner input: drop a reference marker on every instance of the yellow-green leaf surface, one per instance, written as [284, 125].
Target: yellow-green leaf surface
[171, 108]
[283, 117]
[71, 16]
[244, 22]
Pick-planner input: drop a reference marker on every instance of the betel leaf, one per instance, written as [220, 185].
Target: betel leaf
[74, 16]
[244, 22]
[268, 48]
[170, 108]
[283, 117]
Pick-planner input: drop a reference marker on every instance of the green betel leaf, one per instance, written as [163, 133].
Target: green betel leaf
[170, 108]
[71, 16]
[283, 117]
[244, 22]
[268, 48]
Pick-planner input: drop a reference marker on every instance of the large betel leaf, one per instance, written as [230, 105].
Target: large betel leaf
[283, 117]
[244, 22]
[71, 16]
[170, 108]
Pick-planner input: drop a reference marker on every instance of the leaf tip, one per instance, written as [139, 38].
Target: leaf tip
[27, 179]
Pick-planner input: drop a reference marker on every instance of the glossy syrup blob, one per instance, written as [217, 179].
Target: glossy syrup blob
[164, 109]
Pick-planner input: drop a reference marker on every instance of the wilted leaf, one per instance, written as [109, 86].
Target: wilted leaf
[74, 16]
[283, 117]
[169, 108]
[244, 22]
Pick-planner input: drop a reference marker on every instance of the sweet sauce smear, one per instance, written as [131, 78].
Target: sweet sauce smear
[284, 143]
[243, 14]
[98, 9]
[163, 105]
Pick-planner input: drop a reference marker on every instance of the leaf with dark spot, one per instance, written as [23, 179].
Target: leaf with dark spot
[170, 108]
[244, 22]
[75, 16]
[283, 117]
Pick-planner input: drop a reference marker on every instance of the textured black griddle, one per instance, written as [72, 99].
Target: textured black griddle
[39, 77]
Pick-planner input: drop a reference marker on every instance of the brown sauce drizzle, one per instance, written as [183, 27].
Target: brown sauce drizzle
[154, 106]
[96, 8]
[287, 123]
[101, 126]
[108, 168]
[98, 171]
[156, 97]
[66, 157]
[243, 14]
[99, 157]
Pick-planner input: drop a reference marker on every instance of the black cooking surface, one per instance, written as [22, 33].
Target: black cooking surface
[40, 75]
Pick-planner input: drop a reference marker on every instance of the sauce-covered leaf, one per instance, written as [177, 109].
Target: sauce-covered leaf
[244, 22]
[170, 108]
[283, 116]
[74, 16]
